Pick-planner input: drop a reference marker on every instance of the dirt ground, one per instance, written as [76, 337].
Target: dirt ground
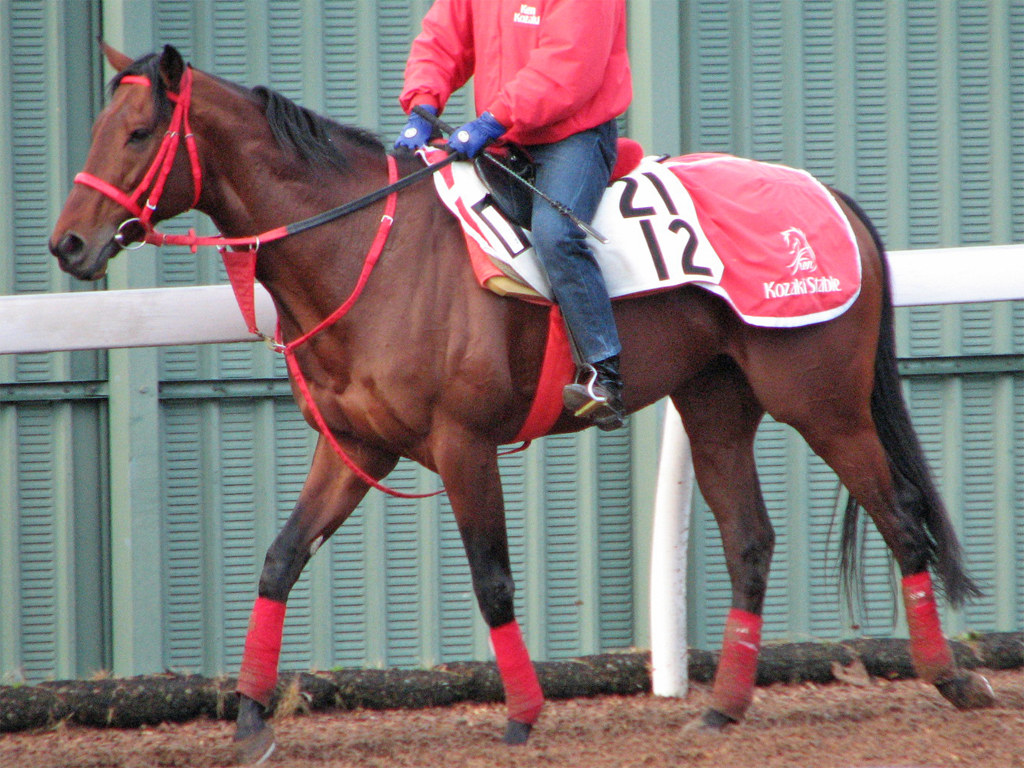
[840, 725]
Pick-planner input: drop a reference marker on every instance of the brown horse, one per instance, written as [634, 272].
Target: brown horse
[428, 366]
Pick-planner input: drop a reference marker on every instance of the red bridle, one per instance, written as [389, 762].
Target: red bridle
[160, 168]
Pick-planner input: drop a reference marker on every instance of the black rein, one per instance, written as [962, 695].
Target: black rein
[373, 197]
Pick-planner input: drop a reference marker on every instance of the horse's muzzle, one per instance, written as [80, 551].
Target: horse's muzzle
[75, 258]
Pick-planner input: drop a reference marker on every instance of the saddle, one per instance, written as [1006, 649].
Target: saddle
[515, 200]
[769, 239]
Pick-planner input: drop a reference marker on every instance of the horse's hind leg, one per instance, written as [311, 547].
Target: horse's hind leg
[849, 442]
[330, 493]
[721, 418]
[469, 468]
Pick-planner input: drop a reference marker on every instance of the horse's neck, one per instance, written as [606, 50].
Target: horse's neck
[258, 187]
[253, 187]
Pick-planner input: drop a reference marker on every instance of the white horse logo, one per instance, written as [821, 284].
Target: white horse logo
[804, 258]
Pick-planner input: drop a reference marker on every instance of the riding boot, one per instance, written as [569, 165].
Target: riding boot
[597, 394]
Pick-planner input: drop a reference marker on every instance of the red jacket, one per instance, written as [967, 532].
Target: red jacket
[546, 69]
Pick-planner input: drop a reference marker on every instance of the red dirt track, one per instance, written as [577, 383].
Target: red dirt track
[869, 723]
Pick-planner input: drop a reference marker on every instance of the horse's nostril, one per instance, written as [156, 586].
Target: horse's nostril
[69, 246]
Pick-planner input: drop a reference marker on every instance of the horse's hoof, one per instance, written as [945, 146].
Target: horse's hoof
[517, 733]
[969, 690]
[712, 721]
[256, 748]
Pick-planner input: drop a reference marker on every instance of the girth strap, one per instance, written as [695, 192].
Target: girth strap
[556, 371]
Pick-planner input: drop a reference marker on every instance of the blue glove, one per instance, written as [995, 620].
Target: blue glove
[475, 135]
[417, 131]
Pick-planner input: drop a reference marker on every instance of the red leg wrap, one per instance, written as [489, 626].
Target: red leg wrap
[737, 667]
[258, 675]
[522, 689]
[932, 657]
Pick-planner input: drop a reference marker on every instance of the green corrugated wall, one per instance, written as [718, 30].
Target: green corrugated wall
[140, 488]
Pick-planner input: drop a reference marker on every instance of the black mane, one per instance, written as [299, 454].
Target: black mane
[311, 137]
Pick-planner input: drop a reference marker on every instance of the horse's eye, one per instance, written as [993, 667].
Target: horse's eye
[139, 135]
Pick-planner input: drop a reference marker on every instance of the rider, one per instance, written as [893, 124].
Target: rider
[551, 75]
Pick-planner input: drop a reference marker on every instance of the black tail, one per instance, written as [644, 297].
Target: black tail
[915, 487]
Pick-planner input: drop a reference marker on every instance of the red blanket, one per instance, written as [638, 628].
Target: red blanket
[788, 250]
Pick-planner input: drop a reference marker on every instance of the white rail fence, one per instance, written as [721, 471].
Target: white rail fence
[155, 317]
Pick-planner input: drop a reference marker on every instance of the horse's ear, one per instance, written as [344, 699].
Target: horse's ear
[172, 67]
[118, 60]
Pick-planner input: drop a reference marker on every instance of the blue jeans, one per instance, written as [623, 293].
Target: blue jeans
[575, 172]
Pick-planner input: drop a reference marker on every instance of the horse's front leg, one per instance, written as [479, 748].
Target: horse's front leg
[470, 473]
[330, 494]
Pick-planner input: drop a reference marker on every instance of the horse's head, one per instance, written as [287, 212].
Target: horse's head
[121, 193]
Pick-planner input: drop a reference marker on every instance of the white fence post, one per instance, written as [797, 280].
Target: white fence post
[671, 538]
